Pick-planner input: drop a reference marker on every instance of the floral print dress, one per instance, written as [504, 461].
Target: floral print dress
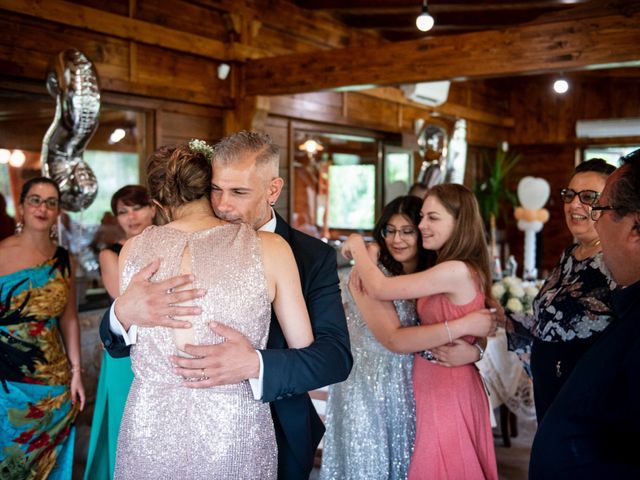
[36, 434]
[570, 312]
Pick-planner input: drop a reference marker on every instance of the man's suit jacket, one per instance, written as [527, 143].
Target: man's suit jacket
[290, 373]
[591, 429]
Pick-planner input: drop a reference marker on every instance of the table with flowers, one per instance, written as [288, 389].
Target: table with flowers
[506, 380]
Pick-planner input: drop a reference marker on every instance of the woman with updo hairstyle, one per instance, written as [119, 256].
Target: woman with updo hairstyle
[176, 176]
[134, 212]
[40, 369]
[168, 429]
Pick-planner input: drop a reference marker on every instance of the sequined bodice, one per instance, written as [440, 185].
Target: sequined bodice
[227, 262]
[169, 430]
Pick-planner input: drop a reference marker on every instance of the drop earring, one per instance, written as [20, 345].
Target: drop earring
[19, 228]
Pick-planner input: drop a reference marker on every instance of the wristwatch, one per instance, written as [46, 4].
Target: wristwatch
[480, 349]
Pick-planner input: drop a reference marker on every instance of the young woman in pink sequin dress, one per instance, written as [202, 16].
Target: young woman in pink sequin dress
[453, 431]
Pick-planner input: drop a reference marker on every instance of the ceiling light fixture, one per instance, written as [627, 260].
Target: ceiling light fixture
[311, 147]
[561, 85]
[424, 22]
[117, 135]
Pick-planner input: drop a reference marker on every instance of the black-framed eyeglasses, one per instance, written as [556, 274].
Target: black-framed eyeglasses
[35, 201]
[586, 197]
[405, 233]
[596, 211]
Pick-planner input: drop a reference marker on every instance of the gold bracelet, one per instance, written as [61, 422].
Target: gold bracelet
[446, 325]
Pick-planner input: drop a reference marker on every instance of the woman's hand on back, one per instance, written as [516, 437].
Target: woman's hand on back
[480, 323]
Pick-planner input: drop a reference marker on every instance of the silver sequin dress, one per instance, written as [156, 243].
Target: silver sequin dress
[370, 417]
[170, 431]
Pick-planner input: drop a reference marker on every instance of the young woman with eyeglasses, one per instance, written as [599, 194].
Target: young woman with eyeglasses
[375, 439]
[39, 343]
[572, 308]
[453, 431]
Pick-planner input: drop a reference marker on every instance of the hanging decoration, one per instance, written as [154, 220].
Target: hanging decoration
[533, 194]
[72, 80]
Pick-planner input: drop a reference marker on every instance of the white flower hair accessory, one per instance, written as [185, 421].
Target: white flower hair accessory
[200, 146]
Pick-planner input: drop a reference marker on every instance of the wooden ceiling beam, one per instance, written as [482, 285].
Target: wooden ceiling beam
[358, 7]
[74, 15]
[612, 39]
[485, 20]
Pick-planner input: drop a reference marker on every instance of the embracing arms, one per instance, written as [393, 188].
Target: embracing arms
[452, 278]
[382, 320]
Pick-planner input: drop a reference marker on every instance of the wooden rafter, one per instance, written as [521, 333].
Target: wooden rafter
[592, 41]
[95, 20]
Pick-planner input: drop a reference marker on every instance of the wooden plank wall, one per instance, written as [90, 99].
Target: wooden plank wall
[544, 133]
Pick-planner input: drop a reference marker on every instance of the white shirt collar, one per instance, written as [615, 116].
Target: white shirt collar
[270, 226]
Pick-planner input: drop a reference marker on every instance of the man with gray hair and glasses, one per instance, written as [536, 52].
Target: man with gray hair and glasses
[591, 429]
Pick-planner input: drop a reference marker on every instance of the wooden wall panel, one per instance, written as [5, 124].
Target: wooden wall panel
[544, 117]
[187, 77]
[27, 46]
[184, 16]
[120, 7]
[178, 127]
[321, 107]
[372, 113]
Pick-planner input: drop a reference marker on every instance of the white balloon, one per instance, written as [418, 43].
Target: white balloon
[533, 192]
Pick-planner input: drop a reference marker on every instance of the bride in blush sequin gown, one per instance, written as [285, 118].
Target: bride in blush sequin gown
[169, 430]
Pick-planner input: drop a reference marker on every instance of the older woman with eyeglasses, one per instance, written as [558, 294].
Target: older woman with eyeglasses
[572, 308]
[39, 343]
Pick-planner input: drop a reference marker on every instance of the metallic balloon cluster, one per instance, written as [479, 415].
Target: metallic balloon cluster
[73, 81]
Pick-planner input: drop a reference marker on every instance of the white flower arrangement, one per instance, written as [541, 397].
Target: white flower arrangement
[514, 296]
[200, 146]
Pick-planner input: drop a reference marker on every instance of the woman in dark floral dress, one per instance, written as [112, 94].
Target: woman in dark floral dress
[41, 389]
[572, 308]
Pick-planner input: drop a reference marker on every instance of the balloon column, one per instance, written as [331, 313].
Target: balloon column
[533, 193]
[73, 81]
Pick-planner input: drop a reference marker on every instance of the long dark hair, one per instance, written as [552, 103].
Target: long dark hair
[408, 206]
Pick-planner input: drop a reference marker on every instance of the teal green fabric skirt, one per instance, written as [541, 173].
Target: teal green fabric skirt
[113, 388]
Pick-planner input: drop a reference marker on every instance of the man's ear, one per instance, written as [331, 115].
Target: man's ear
[275, 189]
[635, 230]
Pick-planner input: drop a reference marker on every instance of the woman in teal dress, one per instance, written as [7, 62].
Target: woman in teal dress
[134, 211]
[40, 369]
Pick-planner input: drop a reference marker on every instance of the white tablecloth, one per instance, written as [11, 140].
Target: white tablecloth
[506, 379]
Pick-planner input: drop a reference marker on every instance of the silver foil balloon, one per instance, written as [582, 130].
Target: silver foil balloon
[433, 141]
[73, 81]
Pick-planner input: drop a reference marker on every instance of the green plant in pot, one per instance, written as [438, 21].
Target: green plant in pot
[492, 192]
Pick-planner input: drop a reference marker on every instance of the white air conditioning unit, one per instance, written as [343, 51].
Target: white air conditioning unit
[609, 128]
[433, 94]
